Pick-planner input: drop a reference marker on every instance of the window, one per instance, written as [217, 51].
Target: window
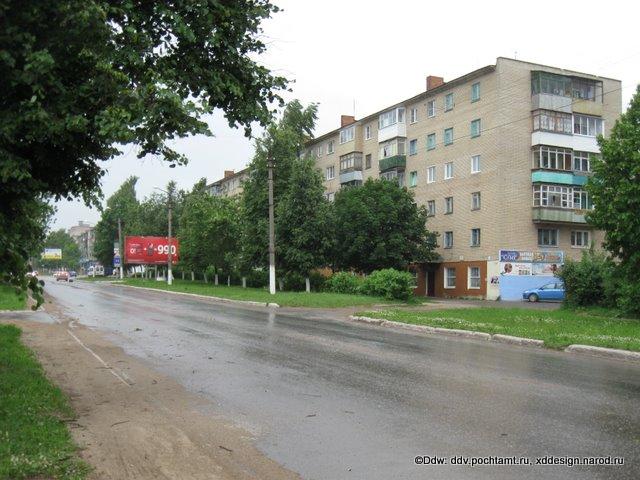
[448, 205]
[367, 132]
[392, 148]
[319, 150]
[475, 237]
[413, 147]
[448, 239]
[413, 179]
[448, 136]
[347, 134]
[431, 108]
[330, 173]
[580, 238]
[581, 199]
[475, 92]
[547, 237]
[448, 102]
[351, 161]
[544, 82]
[414, 115]
[391, 118]
[449, 277]
[431, 141]
[586, 89]
[554, 158]
[589, 126]
[367, 161]
[431, 208]
[330, 196]
[475, 164]
[581, 161]
[552, 196]
[448, 170]
[475, 201]
[394, 176]
[331, 147]
[431, 174]
[475, 128]
[474, 277]
[549, 121]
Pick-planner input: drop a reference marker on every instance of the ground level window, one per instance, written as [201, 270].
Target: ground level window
[474, 277]
[580, 238]
[547, 237]
[449, 277]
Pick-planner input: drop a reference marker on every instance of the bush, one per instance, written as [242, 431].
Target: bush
[343, 282]
[317, 280]
[590, 282]
[389, 283]
[258, 278]
[294, 282]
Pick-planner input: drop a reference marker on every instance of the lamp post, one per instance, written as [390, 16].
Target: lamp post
[169, 257]
[272, 247]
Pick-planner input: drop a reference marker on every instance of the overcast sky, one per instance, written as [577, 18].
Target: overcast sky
[363, 55]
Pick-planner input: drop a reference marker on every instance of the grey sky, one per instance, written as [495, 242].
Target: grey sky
[370, 54]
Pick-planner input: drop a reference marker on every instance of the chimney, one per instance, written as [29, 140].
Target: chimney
[347, 120]
[433, 82]
[228, 173]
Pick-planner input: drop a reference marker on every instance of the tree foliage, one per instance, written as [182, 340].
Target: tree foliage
[70, 250]
[378, 225]
[81, 77]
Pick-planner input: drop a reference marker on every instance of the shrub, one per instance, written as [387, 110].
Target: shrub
[590, 281]
[258, 278]
[317, 280]
[293, 281]
[389, 283]
[343, 282]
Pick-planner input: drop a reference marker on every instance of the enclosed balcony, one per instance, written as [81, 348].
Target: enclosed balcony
[555, 215]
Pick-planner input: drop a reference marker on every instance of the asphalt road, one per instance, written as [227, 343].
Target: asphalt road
[334, 400]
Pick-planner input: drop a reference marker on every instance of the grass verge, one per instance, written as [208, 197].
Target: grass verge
[34, 440]
[10, 300]
[558, 328]
[284, 299]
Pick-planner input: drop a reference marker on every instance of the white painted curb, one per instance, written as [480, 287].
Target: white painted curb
[420, 328]
[517, 340]
[217, 299]
[604, 352]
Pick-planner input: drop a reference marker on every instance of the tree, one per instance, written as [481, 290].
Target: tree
[208, 230]
[615, 192]
[122, 205]
[70, 250]
[81, 77]
[152, 216]
[304, 228]
[378, 225]
[284, 141]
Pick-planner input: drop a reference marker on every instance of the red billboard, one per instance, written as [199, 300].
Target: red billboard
[150, 250]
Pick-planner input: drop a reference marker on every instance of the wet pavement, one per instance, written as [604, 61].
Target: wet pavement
[334, 400]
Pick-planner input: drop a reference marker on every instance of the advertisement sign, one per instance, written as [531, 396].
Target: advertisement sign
[517, 262]
[150, 250]
[52, 254]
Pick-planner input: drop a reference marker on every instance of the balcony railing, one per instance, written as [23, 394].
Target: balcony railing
[555, 215]
[396, 161]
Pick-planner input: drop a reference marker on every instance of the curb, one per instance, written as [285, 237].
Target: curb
[218, 299]
[421, 328]
[604, 352]
[497, 337]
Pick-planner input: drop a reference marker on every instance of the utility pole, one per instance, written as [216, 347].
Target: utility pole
[169, 274]
[272, 241]
[120, 252]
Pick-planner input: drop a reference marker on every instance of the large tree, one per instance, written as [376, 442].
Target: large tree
[379, 225]
[80, 77]
[70, 250]
[615, 193]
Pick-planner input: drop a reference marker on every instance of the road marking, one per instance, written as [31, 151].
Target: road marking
[99, 359]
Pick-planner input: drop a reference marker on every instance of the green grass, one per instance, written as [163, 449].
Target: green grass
[284, 299]
[10, 300]
[558, 328]
[34, 440]
[99, 278]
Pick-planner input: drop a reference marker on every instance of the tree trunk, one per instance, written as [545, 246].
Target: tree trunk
[193, 276]
[281, 285]
[307, 284]
[205, 277]
[183, 274]
[228, 280]
[244, 282]
[216, 279]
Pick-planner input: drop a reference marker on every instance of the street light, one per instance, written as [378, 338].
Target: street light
[272, 247]
[169, 274]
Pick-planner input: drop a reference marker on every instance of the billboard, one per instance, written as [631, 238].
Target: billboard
[516, 262]
[150, 250]
[52, 254]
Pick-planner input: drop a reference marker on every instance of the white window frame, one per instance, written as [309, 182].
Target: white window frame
[367, 132]
[319, 150]
[448, 170]
[431, 174]
[431, 108]
[476, 200]
[413, 115]
[391, 117]
[583, 123]
[473, 160]
[583, 159]
[431, 208]
[347, 134]
[447, 277]
[330, 173]
[448, 205]
[471, 277]
[585, 238]
[557, 237]
[447, 239]
[476, 237]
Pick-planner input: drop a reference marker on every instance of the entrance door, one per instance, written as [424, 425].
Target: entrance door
[431, 283]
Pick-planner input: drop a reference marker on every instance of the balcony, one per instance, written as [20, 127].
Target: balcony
[554, 215]
[575, 142]
[350, 176]
[548, 101]
[558, 177]
[392, 131]
[396, 161]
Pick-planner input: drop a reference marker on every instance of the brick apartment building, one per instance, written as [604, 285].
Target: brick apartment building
[499, 157]
[230, 185]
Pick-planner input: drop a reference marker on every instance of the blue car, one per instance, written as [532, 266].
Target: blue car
[551, 291]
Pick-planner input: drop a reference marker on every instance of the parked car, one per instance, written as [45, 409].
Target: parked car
[551, 291]
[64, 276]
[72, 273]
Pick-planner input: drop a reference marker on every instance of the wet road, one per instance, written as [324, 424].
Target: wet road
[334, 400]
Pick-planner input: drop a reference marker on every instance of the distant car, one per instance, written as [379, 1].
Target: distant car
[72, 274]
[64, 276]
[553, 291]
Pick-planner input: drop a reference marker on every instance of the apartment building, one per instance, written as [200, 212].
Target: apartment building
[84, 234]
[499, 157]
[230, 185]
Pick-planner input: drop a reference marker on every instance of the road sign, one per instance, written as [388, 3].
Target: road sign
[116, 261]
